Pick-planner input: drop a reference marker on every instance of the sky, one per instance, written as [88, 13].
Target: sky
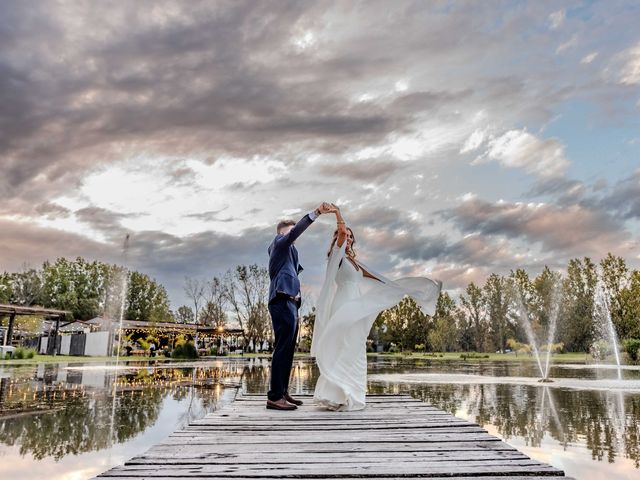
[458, 138]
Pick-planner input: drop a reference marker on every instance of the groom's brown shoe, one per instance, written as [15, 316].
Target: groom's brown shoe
[290, 399]
[281, 404]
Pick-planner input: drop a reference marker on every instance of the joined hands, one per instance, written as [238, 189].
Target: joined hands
[327, 208]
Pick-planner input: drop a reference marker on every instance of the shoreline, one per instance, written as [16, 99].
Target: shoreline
[581, 358]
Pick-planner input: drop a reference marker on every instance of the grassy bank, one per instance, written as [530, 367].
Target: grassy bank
[447, 356]
[75, 359]
[504, 357]
[509, 357]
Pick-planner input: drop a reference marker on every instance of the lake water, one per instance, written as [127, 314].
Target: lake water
[64, 421]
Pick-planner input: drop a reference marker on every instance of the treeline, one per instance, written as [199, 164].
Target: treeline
[487, 318]
[87, 290]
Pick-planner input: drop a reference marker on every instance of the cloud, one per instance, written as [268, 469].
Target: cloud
[361, 169]
[571, 43]
[556, 19]
[563, 190]
[624, 197]
[193, 127]
[587, 59]
[521, 149]
[630, 72]
[567, 230]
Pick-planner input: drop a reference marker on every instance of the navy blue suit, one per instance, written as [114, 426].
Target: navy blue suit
[284, 268]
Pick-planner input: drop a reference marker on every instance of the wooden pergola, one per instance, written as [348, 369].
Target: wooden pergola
[48, 313]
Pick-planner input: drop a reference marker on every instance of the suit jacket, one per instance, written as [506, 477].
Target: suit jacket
[283, 261]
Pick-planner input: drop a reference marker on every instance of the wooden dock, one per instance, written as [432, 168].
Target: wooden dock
[395, 437]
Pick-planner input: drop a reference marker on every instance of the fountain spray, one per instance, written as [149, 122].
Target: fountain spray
[124, 272]
[526, 323]
[603, 311]
[553, 322]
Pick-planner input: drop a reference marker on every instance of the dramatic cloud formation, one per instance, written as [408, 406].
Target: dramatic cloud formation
[518, 148]
[459, 138]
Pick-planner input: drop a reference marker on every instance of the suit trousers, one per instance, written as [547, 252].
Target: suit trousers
[284, 317]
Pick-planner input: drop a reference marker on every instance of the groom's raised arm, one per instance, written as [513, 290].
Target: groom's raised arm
[299, 227]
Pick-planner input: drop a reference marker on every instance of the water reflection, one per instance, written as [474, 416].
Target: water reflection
[61, 414]
[607, 423]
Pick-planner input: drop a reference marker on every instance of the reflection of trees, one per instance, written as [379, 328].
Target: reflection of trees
[74, 424]
[608, 423]
[83, 425]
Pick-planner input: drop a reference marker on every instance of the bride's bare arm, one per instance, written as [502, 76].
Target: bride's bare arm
[342, 228]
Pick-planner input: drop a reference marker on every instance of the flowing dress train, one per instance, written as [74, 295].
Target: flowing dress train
[347, 307]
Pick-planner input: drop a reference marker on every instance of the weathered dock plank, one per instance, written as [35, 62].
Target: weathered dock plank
[395, 437]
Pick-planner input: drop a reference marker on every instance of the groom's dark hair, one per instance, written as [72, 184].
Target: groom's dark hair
[284, 223]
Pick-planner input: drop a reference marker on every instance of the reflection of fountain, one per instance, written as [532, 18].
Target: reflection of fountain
[602, 312]
[546, 393]
[124, 273]
[523, 315]
[618, 414]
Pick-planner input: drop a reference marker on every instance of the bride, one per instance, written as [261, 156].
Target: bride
[351, 298]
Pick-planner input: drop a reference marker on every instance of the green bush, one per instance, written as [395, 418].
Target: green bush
[631, 346]
[22, 353]
[185, 350]
[600, 350]
[394, 348]
[419, 347]
[468, 355]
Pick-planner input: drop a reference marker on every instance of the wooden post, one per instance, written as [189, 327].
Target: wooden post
[7, 340]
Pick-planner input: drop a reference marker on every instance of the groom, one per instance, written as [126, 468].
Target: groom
[284, 302]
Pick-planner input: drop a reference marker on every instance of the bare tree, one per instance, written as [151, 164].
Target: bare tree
[184, 314]
[194, 289]
[247, 290]
[213, 313]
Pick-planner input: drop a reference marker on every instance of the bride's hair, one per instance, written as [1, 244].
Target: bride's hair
[335, 239]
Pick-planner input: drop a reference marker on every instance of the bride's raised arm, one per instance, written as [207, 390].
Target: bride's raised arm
[342, 227]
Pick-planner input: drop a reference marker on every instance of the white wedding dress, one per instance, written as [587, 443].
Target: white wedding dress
[347, 307]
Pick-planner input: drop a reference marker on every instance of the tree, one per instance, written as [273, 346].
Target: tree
[546, 302]
[194, 289]
[77, 286]
[576, 323]
[617, 279]
[213, 313]
[5, 287]
[184, 314]
[522, 299]
[630, 298]
[26, 286]
[247, 290]
[497, 297]
[147, 300]
[404, 325]
[307, 322]
[467, 340]
[443, 336]
[474, 306]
